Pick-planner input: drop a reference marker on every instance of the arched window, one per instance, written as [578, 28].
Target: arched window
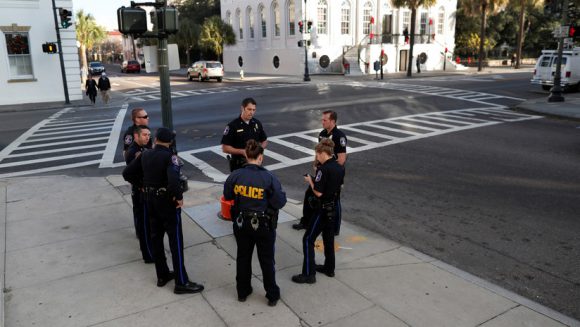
[250, 19]
[240, 24]
[229, 17]
[291, 18]
[322, 23]
[276, 16]
[263, 20]
[367, 14]
[441, 21]
[345, 18]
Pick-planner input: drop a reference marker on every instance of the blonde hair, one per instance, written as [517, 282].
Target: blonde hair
[326, 146]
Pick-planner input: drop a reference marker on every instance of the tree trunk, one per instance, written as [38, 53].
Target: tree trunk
[520, 34]
[411, 41]
[482, 34]
[84, 66]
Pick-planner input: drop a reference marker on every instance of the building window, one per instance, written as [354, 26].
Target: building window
[407, 20]
[250, 22]
[19, 59]
[263, 21]
[291, 18]
[240, 24]
[367, 13]
[276, 15]
[322, 23]
[423, 24]
[345, 18]
[441, 21]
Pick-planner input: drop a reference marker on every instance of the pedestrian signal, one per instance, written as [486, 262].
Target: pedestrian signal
[49, 47]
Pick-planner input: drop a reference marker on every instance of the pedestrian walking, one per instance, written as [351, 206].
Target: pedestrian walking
[325, 186]
[514, 59]
[141, 138]
[239, 131]
[104, 86]
[329, 131]
[91, 89]
[157, 171]
[418, 63]
[138, 117]
[258, 196]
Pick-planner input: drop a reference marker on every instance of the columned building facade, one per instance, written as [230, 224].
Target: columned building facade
[345, 36]
[27, 74]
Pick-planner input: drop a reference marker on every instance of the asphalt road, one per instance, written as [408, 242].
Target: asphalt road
[498, 201]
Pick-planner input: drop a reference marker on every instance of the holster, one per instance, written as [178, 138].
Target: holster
[272, 215]
[235, 162]
[328, 210]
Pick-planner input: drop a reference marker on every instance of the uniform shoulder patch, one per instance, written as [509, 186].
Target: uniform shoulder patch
[227, 130]
[175, 160]
[318, 176]
[343, 141]
[128, 139]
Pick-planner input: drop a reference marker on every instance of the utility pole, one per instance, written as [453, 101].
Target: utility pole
[306, 73]
[556, 91]
[60, 55]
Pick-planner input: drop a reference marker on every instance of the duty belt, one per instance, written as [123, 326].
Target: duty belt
[253, 216]
[156, 190]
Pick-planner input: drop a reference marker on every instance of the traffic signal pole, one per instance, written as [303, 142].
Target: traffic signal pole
[556, 91]
[306, 73]
[60, 55]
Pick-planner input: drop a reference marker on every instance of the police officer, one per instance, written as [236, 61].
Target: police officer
[159, 169]
[258, 195]
[239, 131]
[329, 131]
[325, 186]
[139, 117]
[141, 138]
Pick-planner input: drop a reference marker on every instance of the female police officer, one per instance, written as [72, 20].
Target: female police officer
[325, 186]
[258, 195]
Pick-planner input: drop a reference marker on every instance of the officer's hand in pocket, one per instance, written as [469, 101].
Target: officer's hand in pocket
[178, 203]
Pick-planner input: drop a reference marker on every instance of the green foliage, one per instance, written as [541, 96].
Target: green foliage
[215, 33]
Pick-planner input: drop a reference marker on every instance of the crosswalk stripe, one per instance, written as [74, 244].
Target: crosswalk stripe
[108, 126]
[107, 161]
[359, 140]
[291, 145]
[61, 143]
[362, 131]
[91, 123]
[44, 170]
[447, 120]
[393, 129]
[412, 126]
[430, 122]
[27, 154]
[41, 138]
[34, 161]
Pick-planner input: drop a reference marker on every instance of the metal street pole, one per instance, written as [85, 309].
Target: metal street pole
[306, 73]
[163, 66]
[556, 91]
[60, 55]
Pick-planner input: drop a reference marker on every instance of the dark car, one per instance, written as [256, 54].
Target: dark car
[96, 68]
[130, 66]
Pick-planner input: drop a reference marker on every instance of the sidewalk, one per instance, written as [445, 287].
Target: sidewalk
[72, 259]
[569, 109]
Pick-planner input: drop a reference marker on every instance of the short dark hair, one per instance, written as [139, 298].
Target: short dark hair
[332, 113]
[137, 130]
[247, 101]
[135, 112]
[253, 149]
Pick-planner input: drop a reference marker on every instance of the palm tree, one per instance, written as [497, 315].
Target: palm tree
[413, 5]
[88, 33]
[215, 33]
[188, 36]
[523, 5]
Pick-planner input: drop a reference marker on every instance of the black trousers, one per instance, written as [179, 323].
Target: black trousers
[320, 223]
[263, 239]
[141, 222]
[166, 218]
[308, 211]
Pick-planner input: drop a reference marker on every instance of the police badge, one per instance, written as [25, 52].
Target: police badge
[343, 141]
[227, 130]
[318, 176]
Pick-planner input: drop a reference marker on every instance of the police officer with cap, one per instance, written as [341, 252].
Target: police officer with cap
[258, 196]
[329, 131]
[159, 169]
[325, 186]
[239, 131]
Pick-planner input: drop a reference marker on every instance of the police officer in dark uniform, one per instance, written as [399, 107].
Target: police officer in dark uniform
[239, 131]
[157, 171]
[139, 117]
[258, 196]
[141, 138]
[329, 131]
[325, 186]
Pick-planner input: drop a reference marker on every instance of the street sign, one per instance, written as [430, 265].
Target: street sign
[561, 31]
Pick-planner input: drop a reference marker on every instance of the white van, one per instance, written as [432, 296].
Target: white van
[546, 68]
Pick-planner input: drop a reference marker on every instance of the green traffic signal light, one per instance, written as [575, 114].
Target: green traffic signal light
[65, 17]
[309, 29]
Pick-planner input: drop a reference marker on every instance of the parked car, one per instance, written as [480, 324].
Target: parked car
[96, 68]
[206, 70]
[130, 66]
[546, 69]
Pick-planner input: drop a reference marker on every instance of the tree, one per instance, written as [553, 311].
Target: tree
[88, 33]
[524, 5]
[482, 7]
[413, 5]
[187, 38]
[215, 33]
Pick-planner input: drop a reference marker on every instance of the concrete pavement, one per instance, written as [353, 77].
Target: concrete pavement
[72, 259]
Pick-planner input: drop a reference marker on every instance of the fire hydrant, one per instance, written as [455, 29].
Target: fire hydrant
[241, 74]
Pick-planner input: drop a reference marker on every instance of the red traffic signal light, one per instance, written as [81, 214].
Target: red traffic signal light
[573, 32]
[301, 26]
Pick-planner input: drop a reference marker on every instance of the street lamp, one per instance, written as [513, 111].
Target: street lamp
[306, 74]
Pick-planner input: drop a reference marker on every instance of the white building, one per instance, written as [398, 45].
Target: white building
[28, 75]
[344, 33]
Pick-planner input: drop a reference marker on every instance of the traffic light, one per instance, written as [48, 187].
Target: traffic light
[301, 26]
[65, 17]
[573, 32]
[49, 47]
[167, 20]
[309, 25]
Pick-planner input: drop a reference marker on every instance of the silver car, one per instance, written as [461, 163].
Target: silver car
[206, 70]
